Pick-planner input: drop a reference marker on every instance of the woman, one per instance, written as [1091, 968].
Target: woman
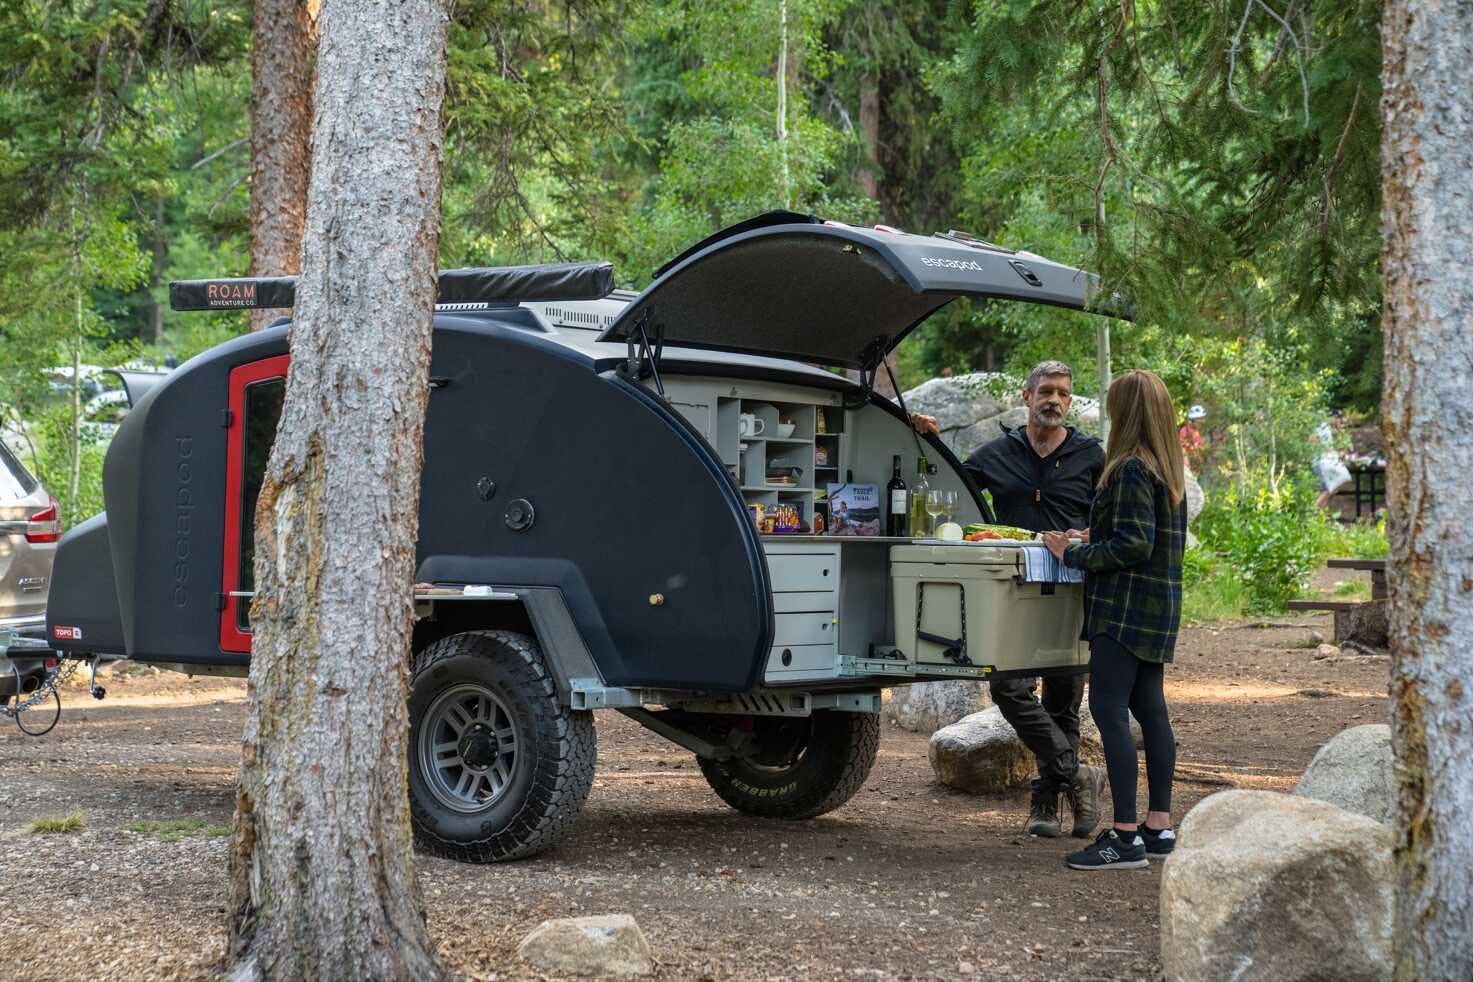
[1132, 557]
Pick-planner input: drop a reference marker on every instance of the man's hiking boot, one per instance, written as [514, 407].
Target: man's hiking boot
[1158, 843]
[1083, 794]
[1112, 850]
[1043, 814]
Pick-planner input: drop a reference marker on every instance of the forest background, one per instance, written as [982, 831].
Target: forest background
[1215, 162]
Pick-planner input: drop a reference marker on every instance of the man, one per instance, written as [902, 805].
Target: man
[1042, 477]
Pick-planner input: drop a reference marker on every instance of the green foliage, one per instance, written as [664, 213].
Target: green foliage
[1269, 539]
[73, 821]
[173, 830]
[1357, 540]
[1210, 592]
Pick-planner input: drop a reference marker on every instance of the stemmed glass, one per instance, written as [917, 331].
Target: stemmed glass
[948, 506]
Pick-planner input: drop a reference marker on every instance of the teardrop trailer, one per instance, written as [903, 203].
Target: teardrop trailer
[586, 544]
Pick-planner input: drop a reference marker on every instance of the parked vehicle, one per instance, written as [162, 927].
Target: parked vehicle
[592, 464]
[29, 529]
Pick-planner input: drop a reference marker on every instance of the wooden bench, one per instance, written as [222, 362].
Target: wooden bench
[1361, 621]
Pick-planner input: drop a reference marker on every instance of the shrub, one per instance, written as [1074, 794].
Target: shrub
[1269, 540]
[1209, 592]
[1359, 540]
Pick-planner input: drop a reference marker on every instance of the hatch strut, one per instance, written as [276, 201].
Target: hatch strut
[643, 354]
[870, 360]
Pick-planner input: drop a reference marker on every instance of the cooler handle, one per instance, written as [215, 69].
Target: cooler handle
[956, 648]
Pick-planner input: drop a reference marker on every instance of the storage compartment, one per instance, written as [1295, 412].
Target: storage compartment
[964, 611]
[807, 628]
[802, 662]
[794, 572]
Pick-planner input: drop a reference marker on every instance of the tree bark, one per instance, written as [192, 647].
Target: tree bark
[284, 40]
[869, 133]
[322, 874]
[1427, 183]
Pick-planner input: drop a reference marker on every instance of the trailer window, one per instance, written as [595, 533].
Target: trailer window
[262, 412]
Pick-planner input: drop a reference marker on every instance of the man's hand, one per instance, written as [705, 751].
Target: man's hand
[1081, 534]
[925, 424]
[1056, 542]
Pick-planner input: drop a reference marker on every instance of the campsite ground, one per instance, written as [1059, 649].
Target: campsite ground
[907, 881]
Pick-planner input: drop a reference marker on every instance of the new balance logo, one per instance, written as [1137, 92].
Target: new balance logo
[1109, 855]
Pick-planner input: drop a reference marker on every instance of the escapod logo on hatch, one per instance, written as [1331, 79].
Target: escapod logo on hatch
[67, 633]
[950, 263]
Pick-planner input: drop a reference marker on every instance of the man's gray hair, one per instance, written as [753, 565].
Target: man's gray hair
[1047, 368]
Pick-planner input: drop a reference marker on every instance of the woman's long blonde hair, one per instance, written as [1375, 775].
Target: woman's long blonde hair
[1143, 427]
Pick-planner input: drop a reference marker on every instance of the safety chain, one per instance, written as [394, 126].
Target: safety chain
[53, 681]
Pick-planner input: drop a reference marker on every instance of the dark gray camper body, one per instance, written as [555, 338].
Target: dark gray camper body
[585, 517]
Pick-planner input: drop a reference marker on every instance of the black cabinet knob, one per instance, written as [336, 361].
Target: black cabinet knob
[486, 488]
[519, 515]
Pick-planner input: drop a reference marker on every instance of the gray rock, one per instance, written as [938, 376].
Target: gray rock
[609, 944]
[928, 706]
[961, 400]
[980, 754]
[1195, 498]
[1267, 886]
[1354, 772]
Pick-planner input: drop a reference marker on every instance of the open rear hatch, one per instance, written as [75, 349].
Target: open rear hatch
[793, 286]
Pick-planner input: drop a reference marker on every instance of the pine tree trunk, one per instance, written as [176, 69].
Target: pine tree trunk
[284, 41]
[869, 133]
[1427, 181]
[322, 874]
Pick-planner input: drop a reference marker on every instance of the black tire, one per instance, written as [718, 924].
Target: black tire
[541, 752]
[807, 766]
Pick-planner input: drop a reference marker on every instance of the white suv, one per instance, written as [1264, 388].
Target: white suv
[29, 528]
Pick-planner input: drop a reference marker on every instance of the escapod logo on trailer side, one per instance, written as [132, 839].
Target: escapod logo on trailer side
[230, 294]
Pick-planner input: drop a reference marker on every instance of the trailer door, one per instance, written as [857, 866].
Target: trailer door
[257, 391]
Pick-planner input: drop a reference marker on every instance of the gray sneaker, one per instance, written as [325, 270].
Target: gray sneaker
[1083, 794]
[1043, 815]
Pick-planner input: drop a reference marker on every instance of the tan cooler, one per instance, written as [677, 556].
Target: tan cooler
[967, 610]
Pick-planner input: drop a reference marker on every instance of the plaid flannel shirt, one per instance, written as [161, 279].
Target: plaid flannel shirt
[1132, 564]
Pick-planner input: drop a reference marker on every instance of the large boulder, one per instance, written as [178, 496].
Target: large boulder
[926, 707]
[981, 754]
[1278, 888]
[1354, 772]
[609, 944]
[961, 400]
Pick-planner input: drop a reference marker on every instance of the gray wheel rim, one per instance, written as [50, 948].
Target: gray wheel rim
[460, 714]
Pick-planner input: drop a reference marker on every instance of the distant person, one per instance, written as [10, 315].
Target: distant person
[1328, 467]
[1189, 435]
[1042, 477]
[1132, 558]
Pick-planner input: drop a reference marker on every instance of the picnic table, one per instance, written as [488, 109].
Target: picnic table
[1359, 621]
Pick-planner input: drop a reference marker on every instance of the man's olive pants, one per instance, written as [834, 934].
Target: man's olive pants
[1050, 728]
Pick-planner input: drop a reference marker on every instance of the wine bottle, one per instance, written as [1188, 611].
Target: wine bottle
[918, 490]
[898, 524]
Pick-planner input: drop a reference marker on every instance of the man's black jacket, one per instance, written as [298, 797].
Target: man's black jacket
[1037, 493]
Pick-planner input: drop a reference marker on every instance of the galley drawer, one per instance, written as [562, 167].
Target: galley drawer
[807, 628]
[803, 572]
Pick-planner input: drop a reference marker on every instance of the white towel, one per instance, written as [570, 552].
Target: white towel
[1040, 566]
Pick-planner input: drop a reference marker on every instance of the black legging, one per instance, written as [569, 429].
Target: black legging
[1119, 682]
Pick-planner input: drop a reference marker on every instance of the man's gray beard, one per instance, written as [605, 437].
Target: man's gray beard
[1045, 423]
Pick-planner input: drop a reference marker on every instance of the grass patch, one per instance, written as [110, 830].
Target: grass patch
[57, 824]
[1352, 590]
[1215, 597]
[1357, 540]
[178, 828]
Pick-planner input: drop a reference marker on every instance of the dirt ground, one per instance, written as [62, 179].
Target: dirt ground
[907, 881]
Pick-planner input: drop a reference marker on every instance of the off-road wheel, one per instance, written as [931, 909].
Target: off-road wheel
[804, 766]
[498, 769]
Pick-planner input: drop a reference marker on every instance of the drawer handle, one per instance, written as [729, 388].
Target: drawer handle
[787, 657]
[825, 572]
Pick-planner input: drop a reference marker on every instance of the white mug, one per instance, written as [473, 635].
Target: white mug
[749, 425]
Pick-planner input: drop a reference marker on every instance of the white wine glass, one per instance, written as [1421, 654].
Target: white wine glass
[935, 507]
